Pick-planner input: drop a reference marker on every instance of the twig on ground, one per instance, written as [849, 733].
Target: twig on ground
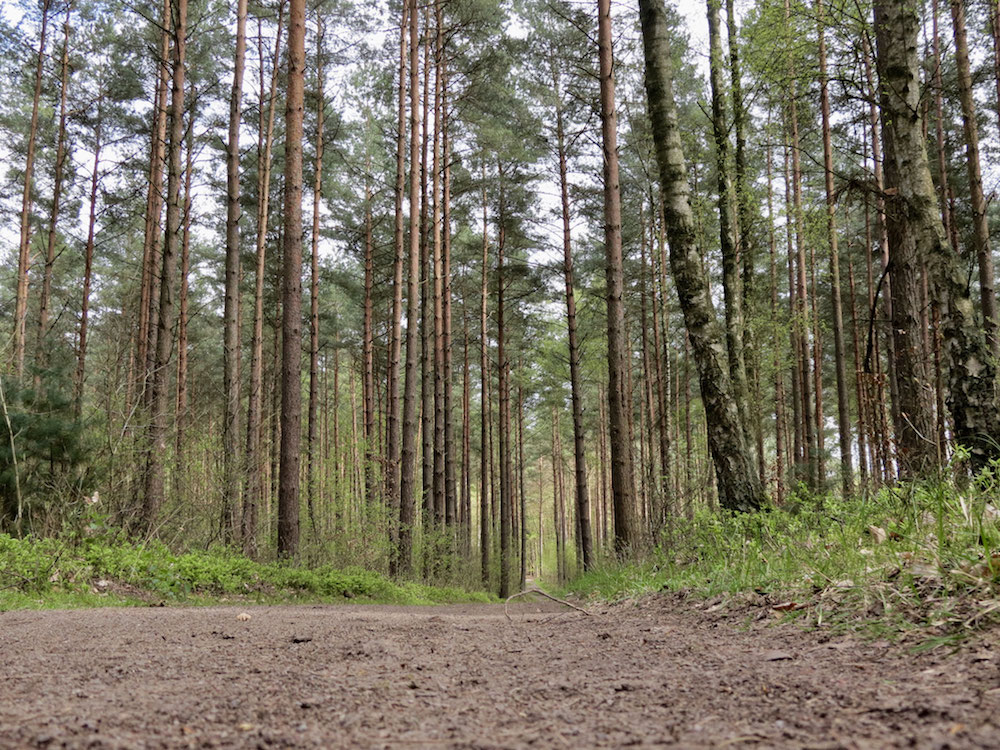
[536, 590]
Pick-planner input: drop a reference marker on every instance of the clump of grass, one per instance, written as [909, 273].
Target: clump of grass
[923, 555]
[38, 572]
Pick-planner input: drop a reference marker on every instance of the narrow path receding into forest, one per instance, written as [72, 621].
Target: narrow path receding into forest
[658, 674]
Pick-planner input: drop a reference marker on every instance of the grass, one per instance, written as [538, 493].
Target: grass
[51, 573]
[921, 558]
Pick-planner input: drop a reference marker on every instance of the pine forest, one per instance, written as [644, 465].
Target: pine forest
[483, 293]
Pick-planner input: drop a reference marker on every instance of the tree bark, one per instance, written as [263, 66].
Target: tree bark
[732, 290]
[576, 388]
[392, 459]
[980, 227]
[843, 400]
[917, 237]
[503, 394]
[154, 484]
[739, 487]
[88, 263]
[622, 481]
[312, 426]
[24, 249]
[409, 457]
[181, 406]
[231, 468]
[291, 292]
[41, 351]
[254, 489]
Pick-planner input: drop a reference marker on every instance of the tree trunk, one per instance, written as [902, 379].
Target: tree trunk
[154, 484]
[451, 493]
[484, 491]
[291, 292]
[24, 249]
[392, 459]
[728, 236]
[312, 426]
[576, 388]
[739, 487]
[254, 488]
[231, 468]
[980, 226]
[409, 444]
[622, 482]
[843, 400]
[916, 237]
[181, 407]
[503, 393]
[149, 291]
[88, 263]
[368, 346]
[439, 488]
[41, 351]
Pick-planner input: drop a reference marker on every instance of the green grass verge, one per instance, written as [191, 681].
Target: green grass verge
[925, 557]
[46, 573]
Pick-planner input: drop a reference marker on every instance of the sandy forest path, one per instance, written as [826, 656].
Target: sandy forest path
[655, 675]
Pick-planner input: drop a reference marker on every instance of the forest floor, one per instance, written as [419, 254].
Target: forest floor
[661, 672]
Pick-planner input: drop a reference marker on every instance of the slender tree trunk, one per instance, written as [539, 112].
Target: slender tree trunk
[779, 384]
[392, 458]
[466, 442]
[409, 457]
[451, 495]
[746, 217]
[661, 334]
[149, 291]
[291, 291]
[368, 346]
[427, 271]
[439, 487]
[883, 237]
[41, 351]
[181, 406]
[231, 468]
[484, 491]
[503, 391]
[24, 249]
[523, 525]
[739, 487]
[843, 400]
[254, 488]
[576, 388]
[312, 426]
[622, 482]
[728, 236]
[810, 444]
[980, 227]
[154, 484]
[88, 264]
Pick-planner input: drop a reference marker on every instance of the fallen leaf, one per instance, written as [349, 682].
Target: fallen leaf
[245, 727]
[242, 617]
[300, 639]
[789, 606]
[878, 534]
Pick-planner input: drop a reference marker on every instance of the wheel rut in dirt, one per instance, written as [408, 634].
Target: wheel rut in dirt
[535, 674]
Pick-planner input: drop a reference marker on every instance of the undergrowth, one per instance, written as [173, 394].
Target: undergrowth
[47, 572]
[924, 556]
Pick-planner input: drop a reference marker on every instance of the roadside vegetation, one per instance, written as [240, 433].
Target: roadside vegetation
[921, 558]
[104, 570]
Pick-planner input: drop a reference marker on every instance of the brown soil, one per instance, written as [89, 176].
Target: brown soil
[656, 674]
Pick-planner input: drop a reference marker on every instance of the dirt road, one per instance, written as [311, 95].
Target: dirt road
[654, 675]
